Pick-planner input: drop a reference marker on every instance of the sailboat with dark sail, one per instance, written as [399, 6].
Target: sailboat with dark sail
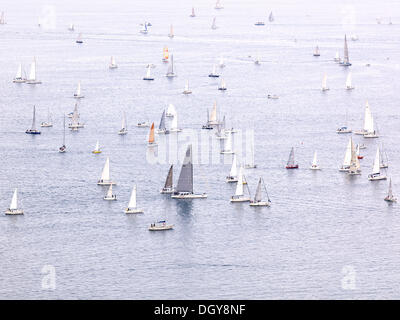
[346, 61]
[168, 186]
[184, 188]
[162, 129]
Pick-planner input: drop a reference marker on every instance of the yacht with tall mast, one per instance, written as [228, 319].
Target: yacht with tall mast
[171, 32]
[105, 175]
[162, 129]
[33, 130]
[355, 168]
[376, 169]
[168, 185]
[390, 197]
[258, 199]
[239, 192]
[347, 157]
[314, 165]
[349, 86]
[132, 206]
[78, 93]
[251, 164]
[228, 149]
[170, 110]
[346, 61]
[110, 196]
[187, 90]
[124, 128]
[214, 73]
[233, 176]
[148, 75]
[324, 83]
[14, 209]
[192, 14]
[63, 148]
[184, 188]
[384, 158]
[18, 77]
[152, 142]
[2, 19]
[49, 122]
[291, 164]
[370, 131]
[75, 120]
[32, 74]
[171, 72]
[222, 85]
[174, 124]
[345, 128]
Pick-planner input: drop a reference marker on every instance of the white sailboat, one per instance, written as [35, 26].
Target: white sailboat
[18, 77]
[347, 157]
[184, 188]
[316, 52]
[148, 75]
[75, 123]
[214, 24]
[110, 196]
[239, 192]
[124, 128]
[171, 32]
[314, 165]
[271, 17]
[32, 74]
[187, 90]
[376, 169]
[97, 148]
[13, 209]
[170, 110]
[174, 124]
[192, 14]
[348, 82]
[63, 148]
[355, 168]
[218, 5]
[132, 206]
[345, 62]
[228, 145]
[78, 93]
[252, 164]
[384, 158]
[105, 175]
[222, 85]
[33, 130]
[113, 64]
[213, 121]
[171, 72]
[233, 175]
[258, 201]
[257, 60]
[370, 131]
[48, 123]
[214, 73]
[324, 83]
[144, 30]
[390, 197]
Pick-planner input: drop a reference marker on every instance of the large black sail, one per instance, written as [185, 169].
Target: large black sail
[185, 181]
[168, 181]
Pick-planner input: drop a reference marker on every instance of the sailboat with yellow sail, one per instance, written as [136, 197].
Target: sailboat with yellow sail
[152, 142]
[165, 54]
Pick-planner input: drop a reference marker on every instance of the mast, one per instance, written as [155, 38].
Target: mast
[290, 161]
[169, 180]
[185, 181]
[19, 72]
[162, 122]
[123, 121]
[14, 200]
[132, 200]
[33, 128]
[348, 80]
[390, 192]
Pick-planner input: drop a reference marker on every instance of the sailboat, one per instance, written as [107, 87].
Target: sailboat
[257, 60]
[79, 39]
[33, 130]
[291, 163]
[252, 164]
[355, 168]
[347, 157]
[192, 14]
[260, 23]
[160, 226]
[162, 128]
[78, 94]
[337, 57]
[233, 176]
[18, 77]
[13, 209]
[2, 18]
[359, 156]
[32, 74]
[218, 5]
[384, 158]
[124, 128]
[132, 206]
[174, 124]
[271, 17]
[376, 169]
[71, 27]
[165, 54]
[213, 118]
[187, 89]
[105, 175]
[171, 73]
[214, 24]
[148, 74]
[113, 64]
[184, 188]
[75, 124]
[144, 30]
[239, 192]
[152, 141]
[348, 82]
[168, 186]
[222, 85]
[314, 165]
[345, 62]
[390, 197]
[258, 201]
[48, 123]
[110, 196]
[370, 132]
[324, 83]
[208, 126]
[171, 32]
[214, 73]
[316, 52]
[170, 110]
[97, 148]
[228, 145]
[63, 148]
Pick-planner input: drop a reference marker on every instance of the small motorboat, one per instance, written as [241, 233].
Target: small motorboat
[143, 124]
[259, 23]
[343, 130]
[160, 226]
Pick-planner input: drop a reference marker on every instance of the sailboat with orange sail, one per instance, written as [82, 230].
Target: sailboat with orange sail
[152, 141]
[165, 54]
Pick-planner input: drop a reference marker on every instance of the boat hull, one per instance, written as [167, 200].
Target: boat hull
[376, 178]
[187, 92]
[344, 169]
[96, 152]
[167, 190]
[46, 125]
[292, 167]
[189, 196]
[133, 211]
[161, 228]
[32, 132]
[113, 67]
[392, 199]
[250, 166]
[113, 198]
[260, 204]
[227, 152]
[240, 199]
[121, 133]
[33, 82]
[19, 81]
[154, 144]
[370, 136]
[148, 79]
[231, 179]
[78, 97]
[315, 168]
[11, 212]
[105, 183]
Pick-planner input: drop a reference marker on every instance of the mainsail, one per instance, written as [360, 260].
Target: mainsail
[377, 162]
[162, 122]
[169, 180]
[368, 119]
[239, 185]
[347, 156]
[32, 73]
[132, 200]
[105, 175]
[185, 181]
[346, 52]
[233, 172]
[14, 201]
[271, 17]
[290, 162]
[257, 197]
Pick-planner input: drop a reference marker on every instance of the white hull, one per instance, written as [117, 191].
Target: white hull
[79, 125]
[113, 66]
[344, 169]
[315, 168]
[189, 196]
[187, 92]
[46, 125]
[231, 179]
[324, 89]
[349, 88]
[133, 210]
[14, 212]
[250, 166]
[175, 130]
[354, 173]
[19, 80]
[376, 178]
[122, 132]
[227, 152]
[170, 75]
[240, 199]
[371, 135]
[167, 191]
[393, 199]
[260, 204]
[78, 96]
[154, 144]
[161, 228]
[105, 183]
[113, 198]
[143, 125]
[33, 82]
[361, 132]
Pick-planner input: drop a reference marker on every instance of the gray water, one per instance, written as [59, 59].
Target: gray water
[319, 222]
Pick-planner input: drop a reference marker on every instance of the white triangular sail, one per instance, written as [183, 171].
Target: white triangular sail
[213, 117]
[123, 124]
[348, 81]
[324, 82]
[228, 142]
[214, 24]
[78, 89]
[14, 200]
[174, 124]
[109, 192]
[368, 119]
[390, 191]
[132, 200]
[377, 162]
[314, 162]
[239, 185]
[113, 61]
[105, 175]
[233, 172]
[97, 147]
[19, 72]
[171, 110]
[32, 73]
[347, 156]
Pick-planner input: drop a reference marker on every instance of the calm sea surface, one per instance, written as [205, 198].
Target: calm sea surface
[319, 222]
